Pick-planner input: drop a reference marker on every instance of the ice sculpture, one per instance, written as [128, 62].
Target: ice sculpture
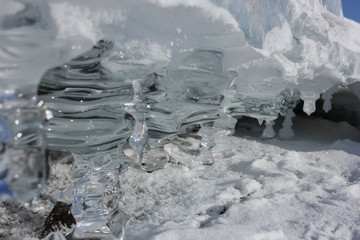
[155, 68]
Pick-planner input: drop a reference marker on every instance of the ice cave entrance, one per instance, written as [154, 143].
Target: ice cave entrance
[345, 110]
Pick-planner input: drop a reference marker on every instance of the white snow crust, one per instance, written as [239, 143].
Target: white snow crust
[304, 188]
[273, 189]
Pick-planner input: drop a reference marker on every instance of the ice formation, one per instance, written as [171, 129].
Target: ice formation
[144, 71]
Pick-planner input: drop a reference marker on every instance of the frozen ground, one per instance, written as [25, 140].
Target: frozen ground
[304, 188]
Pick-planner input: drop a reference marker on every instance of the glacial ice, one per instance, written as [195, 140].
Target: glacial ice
[140, 72]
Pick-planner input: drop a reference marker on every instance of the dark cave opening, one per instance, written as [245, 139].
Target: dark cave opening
[342, 121]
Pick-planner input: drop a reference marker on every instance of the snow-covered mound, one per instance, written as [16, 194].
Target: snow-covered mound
[304, 45]
[270, 54]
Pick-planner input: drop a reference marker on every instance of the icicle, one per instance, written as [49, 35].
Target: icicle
[269, 130]
[138, 109]
[286, 130]
[260, 121]
[139, 138]
[309, 104]
[327, 103]
[327, 96]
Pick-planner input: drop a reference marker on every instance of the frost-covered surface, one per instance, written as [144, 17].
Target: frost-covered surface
[306, 188]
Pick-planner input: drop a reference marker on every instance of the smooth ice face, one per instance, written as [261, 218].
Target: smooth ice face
[31, 43]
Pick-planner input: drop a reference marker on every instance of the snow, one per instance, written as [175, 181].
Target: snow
[260, 189]
[304, 188]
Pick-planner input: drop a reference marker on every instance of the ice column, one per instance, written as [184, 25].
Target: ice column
[95, 196]
[28, 47]
[269, 130]
[138, 109]
[286, 130]
[23, 158]
[327, 96]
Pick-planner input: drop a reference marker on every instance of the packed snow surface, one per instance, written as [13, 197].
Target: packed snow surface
[305, 188]
[300, 189]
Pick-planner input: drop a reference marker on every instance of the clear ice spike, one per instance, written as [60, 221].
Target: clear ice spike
[139, 139]
[138, 109]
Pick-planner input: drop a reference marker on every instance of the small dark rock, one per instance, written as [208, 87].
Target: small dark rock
[58, 218]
